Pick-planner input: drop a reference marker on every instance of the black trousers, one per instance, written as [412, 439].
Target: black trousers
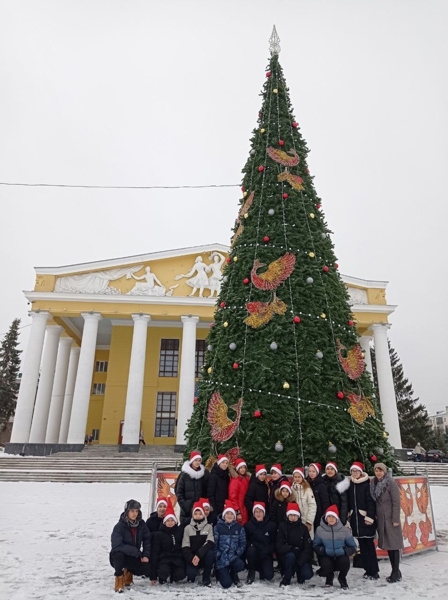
[264, 565]
[368, 556]
[205, 563]
[174, 570]
[329, 565]
[121, 561]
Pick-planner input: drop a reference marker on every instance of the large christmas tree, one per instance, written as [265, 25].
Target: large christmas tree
[284, 376]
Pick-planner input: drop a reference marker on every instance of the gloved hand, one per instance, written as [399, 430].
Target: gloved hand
[319, 550]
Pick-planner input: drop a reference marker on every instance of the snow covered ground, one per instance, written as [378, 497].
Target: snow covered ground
[54, 541]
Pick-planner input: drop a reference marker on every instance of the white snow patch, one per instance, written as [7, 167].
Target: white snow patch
[55, 541]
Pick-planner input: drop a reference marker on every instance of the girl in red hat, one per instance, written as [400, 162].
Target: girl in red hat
[230, 544]
[282, 496]
[218, 483]
[258, 490]
[277, 478]
[191, 483]
[238, 486]
[319, 490]
[304, 497]
[294, 547]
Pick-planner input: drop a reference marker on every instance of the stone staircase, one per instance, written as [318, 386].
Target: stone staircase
[437, 472]
[101, 464]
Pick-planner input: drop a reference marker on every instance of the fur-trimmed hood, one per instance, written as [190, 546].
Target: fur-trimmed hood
[187, 468]
[279, 497]
[343, 485]
[364, 477]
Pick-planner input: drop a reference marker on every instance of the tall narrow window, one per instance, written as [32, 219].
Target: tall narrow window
[165, 414]
[99, 389]
[169, 358]
[101, 366]
[199, 359]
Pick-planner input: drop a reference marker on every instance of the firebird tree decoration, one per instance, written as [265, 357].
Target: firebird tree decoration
[222, 428]
[294, 180]
[243, 211]
[284, 158]
[262, 312]
[360, 408]
[353, 363]
[277, 272]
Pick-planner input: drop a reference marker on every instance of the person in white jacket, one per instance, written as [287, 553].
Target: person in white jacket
[305, 498]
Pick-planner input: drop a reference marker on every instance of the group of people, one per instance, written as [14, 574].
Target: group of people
[231, 521]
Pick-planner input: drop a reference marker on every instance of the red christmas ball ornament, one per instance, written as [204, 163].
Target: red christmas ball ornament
[294, 125]
[257, 414]
[261, 168]
[281, 143]
[317, 205]
[326, 269]
[373, 458]
[285, 195]
[351, 323]
[336, 266]
[340, 395]
[297, 319]
[228, 260]
[222, 304]
[242, 188]
[211, 325]
[195, 400]
[246, 281]
[266, 238]
[307, 170]
[235, 365]
[259, 114]
[268, 74]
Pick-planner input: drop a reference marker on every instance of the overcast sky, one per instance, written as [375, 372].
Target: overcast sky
[167, 93]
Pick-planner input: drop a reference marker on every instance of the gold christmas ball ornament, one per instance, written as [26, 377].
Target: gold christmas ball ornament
[209, 370]
[322, 315]
[312, 215]
[244, 194]
[225, 324]
[311, 254]
[384, 434]
[246, 215]
[262, 130]
[286, 386]
[235, 258]
[275, 91]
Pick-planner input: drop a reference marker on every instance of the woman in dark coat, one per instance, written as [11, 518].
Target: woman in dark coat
[294, 548]
[127, 555]
[167, 560]
[260, 544]
[258, 490]
[282, 497]
[361, 507]
[319, 490]
[331, 479]
[218, 484]
[386, 494]
[191, 484]
[277, 478]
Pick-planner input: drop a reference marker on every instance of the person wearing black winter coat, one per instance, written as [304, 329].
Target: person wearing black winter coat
[167, 560]
[257, 491]
[331, 479]
[294, 547]
[131, 545]
[282, 497]
[362, 512]
[320, 492]
[155, 519]
[277, 478]
[191, 484]
[218, 485]
[260, 545]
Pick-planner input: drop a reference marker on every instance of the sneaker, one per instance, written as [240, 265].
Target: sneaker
[284, 582]
[237, 582]
[365, 576]
[329, 581]
[343, 582]
[250, 577]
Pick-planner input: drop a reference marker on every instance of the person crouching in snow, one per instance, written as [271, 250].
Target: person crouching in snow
[333, 544]
[362, 512]
[303, 495]
[294, 547]
[260, 542]
[155, 519]
[282, 497]
[197, 546]
[238, 486]
[230, 544]
[127, 556]
[167, 560]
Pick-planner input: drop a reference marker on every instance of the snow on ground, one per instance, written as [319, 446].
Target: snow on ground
[55, 540]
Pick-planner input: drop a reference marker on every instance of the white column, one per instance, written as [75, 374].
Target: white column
[30, 376]
[187, 376]
[45, 387]
[386, 383]
[133, 412]
[68, 395]
[81, 395]
[57, 395]
[364, 342]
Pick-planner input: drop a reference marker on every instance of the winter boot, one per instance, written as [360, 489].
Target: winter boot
[236, 581]
[119, 584]
[343, 581]
[206, 582]
[329, 580]
[250, 577]
[394, 557]
[128, 578]
[284, 582]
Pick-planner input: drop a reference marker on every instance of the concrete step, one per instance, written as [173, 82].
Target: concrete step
[437, 473]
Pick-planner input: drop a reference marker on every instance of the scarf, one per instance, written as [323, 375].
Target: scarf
[132, 523]
[379, 486]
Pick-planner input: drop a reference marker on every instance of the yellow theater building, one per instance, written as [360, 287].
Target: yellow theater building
[116, 349]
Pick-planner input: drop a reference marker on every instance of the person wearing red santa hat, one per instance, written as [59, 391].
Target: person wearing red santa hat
[277, 478]
[319, 490]
[210, 515]
[218, 483]
[197, 546]
[333, 544]
[155, 518]
[238, 486]
[260, 537]
[337, 486]
[258, 490]
[282, 496]
[167, 561]
[294, 547]
[191, 483]
[230, 544]
[362, 512]
[304, 497]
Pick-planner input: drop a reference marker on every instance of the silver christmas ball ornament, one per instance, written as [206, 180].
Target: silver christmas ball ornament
[225, 279]
[232, 346]
[323, 235]
[332, 448]
[309, 280]
[319, 354]
[271, 212]
[273, 346]
[252, 152]
[278, 446]
[378, 450]
[209, 347]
